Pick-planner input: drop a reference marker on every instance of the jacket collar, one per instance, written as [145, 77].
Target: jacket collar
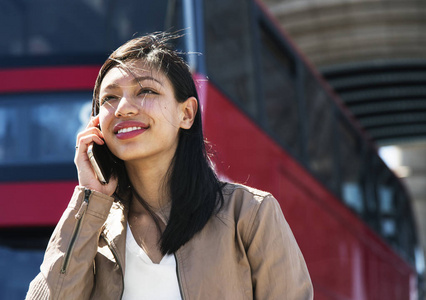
[114, 231]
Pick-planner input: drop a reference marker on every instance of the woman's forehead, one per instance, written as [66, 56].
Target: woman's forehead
[133, 73]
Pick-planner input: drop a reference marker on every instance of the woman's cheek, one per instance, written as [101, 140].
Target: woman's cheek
[103, 119]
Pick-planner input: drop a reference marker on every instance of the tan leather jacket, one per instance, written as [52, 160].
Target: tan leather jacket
[246, 251]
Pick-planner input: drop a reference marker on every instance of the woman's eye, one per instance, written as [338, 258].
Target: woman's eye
[107, 99]
[147, 91]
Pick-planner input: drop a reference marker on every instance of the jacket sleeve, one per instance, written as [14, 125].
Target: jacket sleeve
[278, 268]
[67, 268]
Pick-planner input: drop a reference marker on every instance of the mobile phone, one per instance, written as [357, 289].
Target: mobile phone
[102, 161]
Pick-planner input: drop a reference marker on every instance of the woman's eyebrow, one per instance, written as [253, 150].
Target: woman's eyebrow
[112, 86]
[137, 80]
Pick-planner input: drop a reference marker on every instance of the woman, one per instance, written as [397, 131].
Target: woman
[164, 227]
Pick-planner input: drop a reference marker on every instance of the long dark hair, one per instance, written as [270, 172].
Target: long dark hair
[196, 192]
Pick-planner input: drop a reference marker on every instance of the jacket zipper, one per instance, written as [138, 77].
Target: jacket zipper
[178, 278]
[76, 230]
[114, 253]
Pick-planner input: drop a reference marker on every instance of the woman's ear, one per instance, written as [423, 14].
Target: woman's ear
[189, 110]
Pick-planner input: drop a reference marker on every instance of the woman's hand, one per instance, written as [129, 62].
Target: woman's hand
[86, 175]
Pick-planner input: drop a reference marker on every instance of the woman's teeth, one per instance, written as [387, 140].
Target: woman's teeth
[128, 129]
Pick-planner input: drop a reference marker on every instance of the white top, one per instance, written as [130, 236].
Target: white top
[144, 279]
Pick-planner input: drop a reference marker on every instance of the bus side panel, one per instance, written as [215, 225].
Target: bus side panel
[239, 148]
[342, 254]
[346, 260]
[44, 79]
[34, 203]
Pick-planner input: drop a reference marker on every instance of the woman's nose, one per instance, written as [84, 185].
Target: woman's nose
[126, 107]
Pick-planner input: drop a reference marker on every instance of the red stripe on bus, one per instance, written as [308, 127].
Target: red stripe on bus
[48, 79]
[34, 203]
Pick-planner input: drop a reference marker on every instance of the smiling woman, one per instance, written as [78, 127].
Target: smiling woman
[139, 114]
[172, 228]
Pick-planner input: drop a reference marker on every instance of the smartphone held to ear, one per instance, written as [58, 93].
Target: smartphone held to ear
[102, 162]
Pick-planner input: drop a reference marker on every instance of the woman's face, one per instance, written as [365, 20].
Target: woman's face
[139, 115]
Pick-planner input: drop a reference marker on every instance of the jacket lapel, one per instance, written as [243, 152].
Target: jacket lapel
[114, 232]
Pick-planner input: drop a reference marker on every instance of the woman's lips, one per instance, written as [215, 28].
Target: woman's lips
[129, 129]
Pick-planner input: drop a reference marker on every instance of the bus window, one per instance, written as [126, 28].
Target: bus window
[371, 214]
[350, 167]
[42, 27]
[387, 200]
[21, 253]
[320, 120]
[387, 210]
[40, 129]
[279, 94]
[229, 52]
[406, 228]
[397, 222]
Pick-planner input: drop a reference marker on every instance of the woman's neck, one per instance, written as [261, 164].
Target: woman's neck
[148, 182]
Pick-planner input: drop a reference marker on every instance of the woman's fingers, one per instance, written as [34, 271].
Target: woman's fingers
[94, 122]
[87, 137]
[90, 130]
[86, 175]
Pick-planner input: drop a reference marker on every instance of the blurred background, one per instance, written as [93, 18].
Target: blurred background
[372, 53]
[321, 102]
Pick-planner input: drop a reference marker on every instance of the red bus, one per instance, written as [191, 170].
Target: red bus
[271, 121]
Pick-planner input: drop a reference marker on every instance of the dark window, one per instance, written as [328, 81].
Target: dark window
[320, 120]
[21, 254]
[372, 167]
[406, 228]
[229, 51]
[351, 163]
[38, 134]
[386, 190]
[389, 210]
[279, 93]
[41, 128]
[45, 27]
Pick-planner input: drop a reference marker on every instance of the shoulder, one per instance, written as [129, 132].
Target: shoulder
[233, 192]
[248, 209]
[241, 201]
